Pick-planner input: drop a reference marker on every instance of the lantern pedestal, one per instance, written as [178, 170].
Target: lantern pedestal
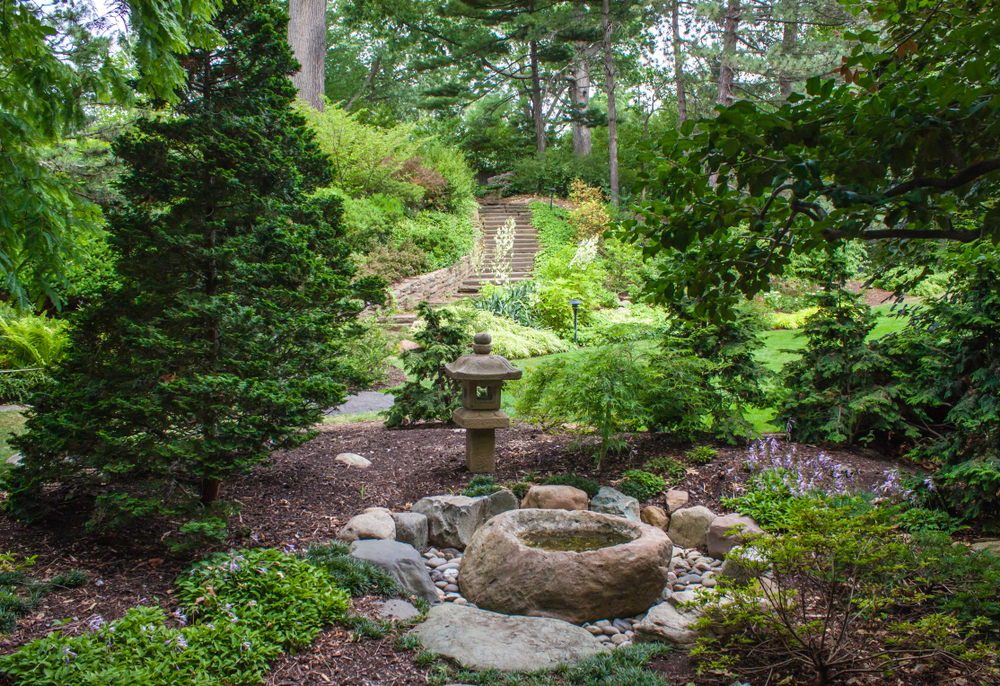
[482, 375]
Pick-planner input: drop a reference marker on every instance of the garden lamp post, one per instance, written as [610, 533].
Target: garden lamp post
[576, 305]
[552, 194]
[482, 375]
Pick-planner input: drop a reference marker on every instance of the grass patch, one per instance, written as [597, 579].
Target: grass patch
[11, 424]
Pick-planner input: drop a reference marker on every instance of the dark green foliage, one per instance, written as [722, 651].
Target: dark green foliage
[733, 378]
[197, 534]
[513, 301]
[365, 628]
[557, 169]
[641, 485]
[767, 498]
[835, 389]
[431, 395]
[701, 455]
[216, 341]
[482, 484]
[355, 576]
[588, 486]
[17, 387]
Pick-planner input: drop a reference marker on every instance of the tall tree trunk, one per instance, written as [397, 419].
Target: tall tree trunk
[682, 106]
[366, 84]
[727, 72]
[537, 113]
[609, 81]
[788, 36]
[307, 37]
[579, 91]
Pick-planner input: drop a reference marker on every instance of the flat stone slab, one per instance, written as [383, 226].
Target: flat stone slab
[365, 401]
[479, 640]
[398, 610]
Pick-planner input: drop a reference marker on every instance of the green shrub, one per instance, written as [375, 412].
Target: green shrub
[357, 577]
[393, 263]
[767, 498]
[624, 325]
[701, 454]
[31, 341]
[430, 395]
[557, 169]
[790, 320]
[367, 349]
[515, 301]
[452, 165]
[444, 238]
[482, 484]
[641, 485]
[840, 592]
[670, 468]
[197, 534]
[552, 224]
[586, 485]
[20, 594]
[513, 341]
[16, 387]
[518, 488]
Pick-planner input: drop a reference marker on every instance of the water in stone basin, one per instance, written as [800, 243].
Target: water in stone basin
[574, 541]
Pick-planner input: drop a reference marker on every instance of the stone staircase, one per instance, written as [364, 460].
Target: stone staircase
[526, 245]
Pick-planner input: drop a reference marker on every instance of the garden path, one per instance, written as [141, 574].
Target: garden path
[526, 244]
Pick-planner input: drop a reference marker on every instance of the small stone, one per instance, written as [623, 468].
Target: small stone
[621, 625]
[602, 623]
[709, 582]
[679, 587]
[655, 516]
[451, 588]
[618, 639]
[690, 579]
[702, 567]
[556, 497]
[629, 635]
[603, 638]
[624, 644]
[373, 525]
[676, 500]
[450, 553]
[595, 630]
[428, 555]
[671, 576]
[451, 573]
[726, 532]
[460, 601]
[610, 630]
[352, 460]
[613, 502]
[436, 562]
[451, 596]
[411, 528]
[689, 526]
[14, 459]
[441, 584]
[397, 610]
[407, 344]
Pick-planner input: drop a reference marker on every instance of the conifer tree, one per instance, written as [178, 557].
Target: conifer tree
[217, 341]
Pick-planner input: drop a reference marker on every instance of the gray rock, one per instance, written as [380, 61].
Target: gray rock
[452, 519]
[402, 561]
[992, 546]
[14, 459]
[742, 565]
[613, 502]
[728, 531]
[689, 526]
[411, 528]
[481, 640]
[622, 625]
[675, 500]
[397, 610]
[377, 525]
[665, 623]
[352, 460]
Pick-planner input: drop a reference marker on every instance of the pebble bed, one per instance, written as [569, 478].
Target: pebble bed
[691, 570]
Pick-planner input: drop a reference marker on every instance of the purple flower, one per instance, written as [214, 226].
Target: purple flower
[96, 624]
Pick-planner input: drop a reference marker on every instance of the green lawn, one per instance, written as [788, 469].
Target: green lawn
[11, 424]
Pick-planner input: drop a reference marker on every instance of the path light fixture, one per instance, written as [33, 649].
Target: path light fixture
[552, 194]
[576, 306]
[482, 375]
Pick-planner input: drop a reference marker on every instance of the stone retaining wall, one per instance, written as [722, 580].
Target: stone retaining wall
[432, 286]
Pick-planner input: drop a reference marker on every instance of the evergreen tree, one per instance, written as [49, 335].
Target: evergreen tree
[216, 343]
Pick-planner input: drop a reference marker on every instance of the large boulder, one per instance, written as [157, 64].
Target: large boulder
[556, 498]
[728, 531]
[578, 566]
[370, 525]
[689, 527]
[990, 546]
[613, 502]
[453, 519]
[402, 562]
[411, 528]
[482, 640]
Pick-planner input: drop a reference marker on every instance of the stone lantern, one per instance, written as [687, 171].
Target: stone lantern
[482, 375]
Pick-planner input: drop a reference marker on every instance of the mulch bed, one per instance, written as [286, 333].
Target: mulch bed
[304, 496]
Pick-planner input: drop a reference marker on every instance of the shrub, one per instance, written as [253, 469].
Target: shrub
[790, 320]
[31, 341]
[357, 577]
[430, 395]
[17, 387]
[589, 215]
[450, 163]
[367, 348]
[552, 224]
[393, 263]
[624, 325]
[563, 274]
[515, 301]
[513, 341]
[701, 454]
[586, 485]
[597, 392]
[841, 593]
[557, 169]
[443, 237]
[482, 484]
[641, 485]
[368, 222]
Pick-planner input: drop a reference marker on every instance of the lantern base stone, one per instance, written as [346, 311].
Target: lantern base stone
[480, 419]
[480, 450]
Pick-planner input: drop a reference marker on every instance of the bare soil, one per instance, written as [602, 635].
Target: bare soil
[303, 496]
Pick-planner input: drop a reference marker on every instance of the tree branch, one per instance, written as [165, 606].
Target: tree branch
[967, 175]
[928, 234]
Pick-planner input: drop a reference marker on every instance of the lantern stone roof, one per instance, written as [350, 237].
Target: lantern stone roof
[481, 365]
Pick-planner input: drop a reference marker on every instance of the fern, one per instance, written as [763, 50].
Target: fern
[32, 341]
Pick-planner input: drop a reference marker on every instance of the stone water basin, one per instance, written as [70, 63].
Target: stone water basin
[578, 566]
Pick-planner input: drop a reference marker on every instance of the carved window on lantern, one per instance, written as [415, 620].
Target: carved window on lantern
[481, 395]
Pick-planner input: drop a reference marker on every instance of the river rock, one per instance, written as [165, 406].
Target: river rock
[689, 526]
[402, 562]
[352, 460]
[655, 516]
[481, 640]
[728, 531]
[411, 528]
[613, 502]
[377, 525]
[991, 546]
[621, 575]
[556, 497]
[396, 610]
[675, 500]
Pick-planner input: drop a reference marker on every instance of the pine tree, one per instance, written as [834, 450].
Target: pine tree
[216, 343]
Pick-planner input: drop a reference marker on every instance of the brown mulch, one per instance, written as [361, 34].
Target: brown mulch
[304, 496]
